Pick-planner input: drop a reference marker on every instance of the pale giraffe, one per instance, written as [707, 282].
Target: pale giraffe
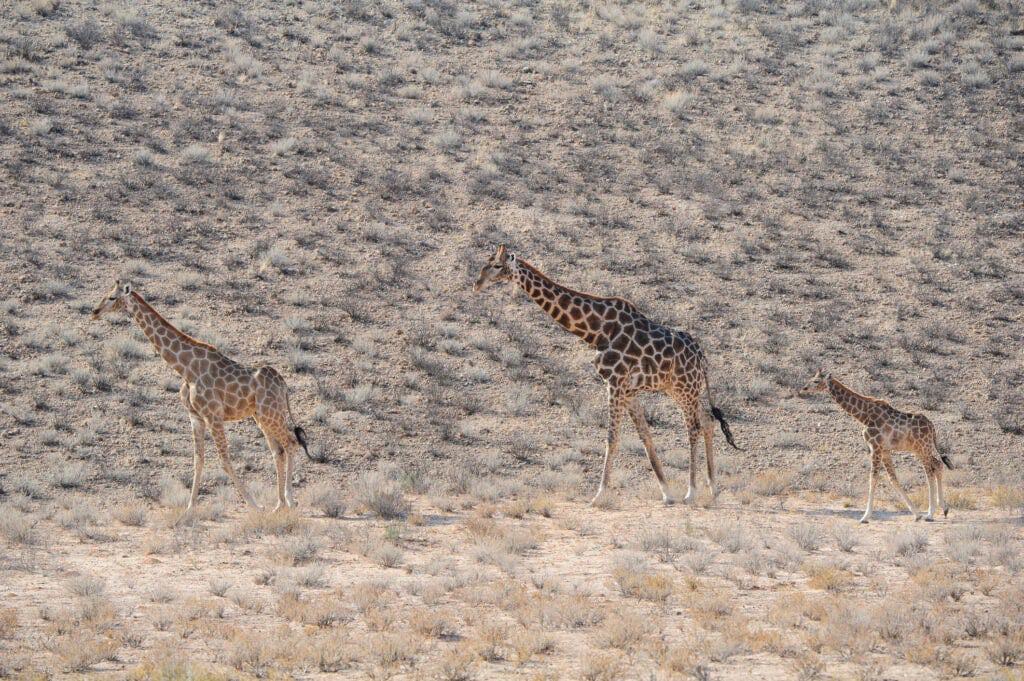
[887, 429]
[216, 389]
[634, 355]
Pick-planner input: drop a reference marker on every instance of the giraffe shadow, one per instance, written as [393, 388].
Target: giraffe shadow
[854, 514]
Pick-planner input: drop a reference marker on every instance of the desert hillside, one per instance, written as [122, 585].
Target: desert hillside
[315, 185]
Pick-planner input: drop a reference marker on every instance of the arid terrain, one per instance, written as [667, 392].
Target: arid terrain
[314, 186]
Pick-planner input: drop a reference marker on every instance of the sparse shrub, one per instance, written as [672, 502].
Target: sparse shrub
[132, 514]
[806, 535]
[382, 496]
[845, 536]
[327, 499]
[907, 543]
[70, 475]
[87, 33]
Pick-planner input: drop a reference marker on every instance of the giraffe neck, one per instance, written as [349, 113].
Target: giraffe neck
[177, 348]
[854, 404]
[579, 313]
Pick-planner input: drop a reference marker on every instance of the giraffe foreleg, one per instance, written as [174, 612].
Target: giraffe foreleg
[616, 410]
[198, 445]
[876, 467]
[890, 469]
[636, 412]
[221, 440]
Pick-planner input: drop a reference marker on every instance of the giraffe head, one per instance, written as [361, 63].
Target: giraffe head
[114, 300]
[498, 268]
[817, 384]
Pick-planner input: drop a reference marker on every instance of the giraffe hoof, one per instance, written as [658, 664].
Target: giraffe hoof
[668, 500]
[864, 521]
[917, 518]
[945, 513]
[929, 519]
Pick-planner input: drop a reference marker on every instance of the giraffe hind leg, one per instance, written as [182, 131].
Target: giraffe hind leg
[708, 428]
[693, 430]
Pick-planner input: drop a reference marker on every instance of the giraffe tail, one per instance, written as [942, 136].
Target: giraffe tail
[300, 437]
[717, 413]
[945, 460]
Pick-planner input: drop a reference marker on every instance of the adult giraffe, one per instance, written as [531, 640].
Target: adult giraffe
[216, 389]
[634, 355]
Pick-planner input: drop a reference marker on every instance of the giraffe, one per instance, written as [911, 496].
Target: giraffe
[634, 355]
[214, 390]
[888, 429]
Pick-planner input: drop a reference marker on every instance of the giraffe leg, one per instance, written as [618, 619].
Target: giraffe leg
[616, 410]
[693, 430]
[930, 515]
[289, 453]
[890, 469]
[876, 466]
[636, 412]
[198, 458]
[938, 493]
[708, 428]
[198, 445]
[221, 440]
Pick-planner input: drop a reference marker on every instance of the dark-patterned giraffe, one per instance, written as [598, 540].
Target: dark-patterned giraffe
[887, 429]
[216, 389]
[634, 355]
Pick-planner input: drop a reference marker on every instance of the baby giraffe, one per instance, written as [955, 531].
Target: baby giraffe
[215, 389]
[888, 429]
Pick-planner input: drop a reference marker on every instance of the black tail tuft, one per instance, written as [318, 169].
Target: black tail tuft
[300, 437]
[945, 460]
[717, 413]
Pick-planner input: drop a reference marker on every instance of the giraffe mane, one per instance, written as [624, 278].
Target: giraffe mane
[181, 334]
[574, 292]
[866, 398]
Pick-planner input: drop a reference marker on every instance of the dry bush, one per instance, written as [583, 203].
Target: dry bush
[433, 623]
[457, 664]
[320, 612]
[87, 586]
[8, 622]
[666, 544]
[637, 580]
[381, 496]
[730, 536]
[527, 644]
[772, 483]
[827, 577]
[326, 498]
[806, 535]
[602, 666]
[908, 543]
[18, 527]
[490, 641]
[624, 629]
[132, 514]
[81, 650]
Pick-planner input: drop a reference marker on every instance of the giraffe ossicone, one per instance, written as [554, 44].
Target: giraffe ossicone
[215, 389]
[634, 355]
[887, 429]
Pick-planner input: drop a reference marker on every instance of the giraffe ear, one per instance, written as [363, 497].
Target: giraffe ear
[502, 253]
[126, 289]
